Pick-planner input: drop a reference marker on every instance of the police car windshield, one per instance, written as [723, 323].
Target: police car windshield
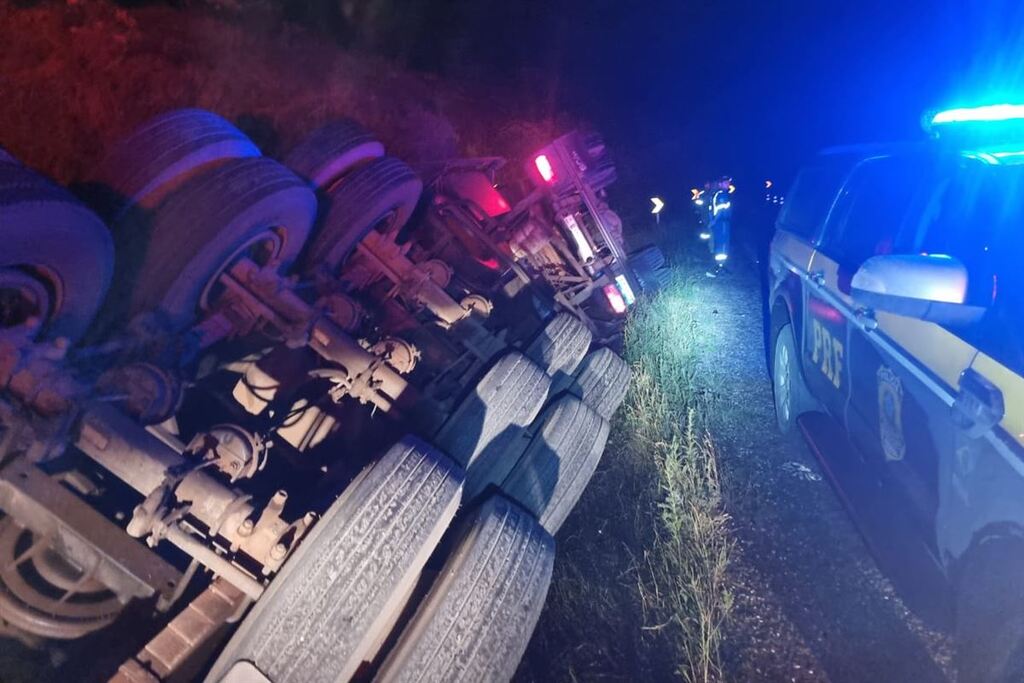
[975, 212]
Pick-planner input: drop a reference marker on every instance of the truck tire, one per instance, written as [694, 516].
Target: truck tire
[650, 257]
[322, 615]
[379, 195]
[792, 397]
[202, 227]
[62, 249]
[331, 151]
[551, 475]
[476, 621]
[490, 422]
[652, 281]
[561, 345]
[165, 152]
[649, 269]
[601, 380]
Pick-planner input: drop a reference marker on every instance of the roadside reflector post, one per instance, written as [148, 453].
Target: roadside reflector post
[658, 206]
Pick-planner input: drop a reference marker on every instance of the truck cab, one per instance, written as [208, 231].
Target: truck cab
[549, 228]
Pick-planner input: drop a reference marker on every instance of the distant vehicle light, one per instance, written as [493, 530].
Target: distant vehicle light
[627, 292]
[705, 235]
[544, 168]
[658, 205]
[990, 112]
[615, 300]
[721, 257]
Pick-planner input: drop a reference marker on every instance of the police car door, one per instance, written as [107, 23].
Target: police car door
[853, 231]
[903, 370]
[978, 367]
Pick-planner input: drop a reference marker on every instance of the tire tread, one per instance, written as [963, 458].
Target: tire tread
[561, 345]
[556, 467]
[322, 613]
[476, 621]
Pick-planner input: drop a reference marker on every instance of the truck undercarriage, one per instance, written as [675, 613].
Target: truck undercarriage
[293, 400]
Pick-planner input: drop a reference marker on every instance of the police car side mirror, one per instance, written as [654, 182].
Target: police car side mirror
[927, 287]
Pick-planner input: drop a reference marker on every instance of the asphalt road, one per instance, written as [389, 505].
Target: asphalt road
[810, 603]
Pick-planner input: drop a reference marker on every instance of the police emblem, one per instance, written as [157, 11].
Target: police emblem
[890, 414]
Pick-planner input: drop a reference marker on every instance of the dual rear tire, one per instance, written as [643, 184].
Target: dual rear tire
[56, 258]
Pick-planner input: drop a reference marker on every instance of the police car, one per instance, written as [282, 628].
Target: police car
[896, 342]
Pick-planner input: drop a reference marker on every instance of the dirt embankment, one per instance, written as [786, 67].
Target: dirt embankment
[76, 76]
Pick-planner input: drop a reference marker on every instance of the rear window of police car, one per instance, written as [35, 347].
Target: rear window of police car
[808, 202]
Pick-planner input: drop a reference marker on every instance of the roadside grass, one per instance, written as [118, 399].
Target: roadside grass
[76, 76]
[640, 588]
[685, 586]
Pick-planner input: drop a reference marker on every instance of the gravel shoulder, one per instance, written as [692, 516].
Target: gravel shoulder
[810, 603]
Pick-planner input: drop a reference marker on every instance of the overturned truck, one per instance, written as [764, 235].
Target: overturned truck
[548, 228]
[277, 417]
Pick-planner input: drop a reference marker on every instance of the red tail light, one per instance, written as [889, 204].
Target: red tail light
[490, 263]
[544, 168]
[615, 300]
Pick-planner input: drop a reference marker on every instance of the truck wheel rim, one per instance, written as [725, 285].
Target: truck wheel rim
[45, 595]
[263, 249]
[25, 303]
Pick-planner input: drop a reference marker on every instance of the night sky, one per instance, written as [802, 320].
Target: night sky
[750, 89]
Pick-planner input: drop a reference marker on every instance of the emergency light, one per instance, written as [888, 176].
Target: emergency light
[991, 133]
[997, 157]
[990, 125]
[989, 112]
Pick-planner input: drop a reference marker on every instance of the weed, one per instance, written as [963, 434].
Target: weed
[640, 587]
[689, 592]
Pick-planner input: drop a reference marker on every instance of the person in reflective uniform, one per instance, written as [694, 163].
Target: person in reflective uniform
[720, 222]
[702, 209]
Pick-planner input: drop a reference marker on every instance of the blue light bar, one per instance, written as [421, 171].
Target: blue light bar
[990, 112]
[1007, 157]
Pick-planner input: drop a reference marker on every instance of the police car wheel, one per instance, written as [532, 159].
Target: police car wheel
[792, 398]
[990, 614]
